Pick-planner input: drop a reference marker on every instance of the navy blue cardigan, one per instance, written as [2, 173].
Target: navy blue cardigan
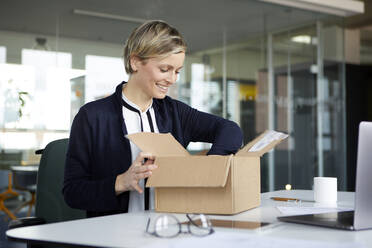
[98, 150]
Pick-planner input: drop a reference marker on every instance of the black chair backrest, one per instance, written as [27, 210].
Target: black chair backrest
[50, 203]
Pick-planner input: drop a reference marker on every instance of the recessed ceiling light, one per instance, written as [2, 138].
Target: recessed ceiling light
[306, 39]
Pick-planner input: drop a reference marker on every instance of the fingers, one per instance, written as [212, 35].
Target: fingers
[149, 161]
[144, 168]
[144, 171]
[140, 176]
[140, 170]
[138, 188]
[144, 155]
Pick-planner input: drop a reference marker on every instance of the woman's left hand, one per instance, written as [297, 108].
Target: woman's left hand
[137, 171]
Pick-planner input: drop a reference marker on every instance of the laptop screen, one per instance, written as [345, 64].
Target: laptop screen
[363, 199]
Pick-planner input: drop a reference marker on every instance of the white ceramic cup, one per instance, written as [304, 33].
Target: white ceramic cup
[325, 190]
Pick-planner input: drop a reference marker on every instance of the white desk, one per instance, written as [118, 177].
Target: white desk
[128, 230]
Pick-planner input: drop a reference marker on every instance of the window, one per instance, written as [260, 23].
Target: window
[103, 75]
[49, 90]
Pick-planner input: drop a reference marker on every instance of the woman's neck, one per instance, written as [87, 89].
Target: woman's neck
[136, 95]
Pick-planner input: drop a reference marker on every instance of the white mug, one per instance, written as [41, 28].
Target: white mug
[325, 190]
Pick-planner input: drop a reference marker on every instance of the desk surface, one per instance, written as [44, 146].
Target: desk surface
[128, 230]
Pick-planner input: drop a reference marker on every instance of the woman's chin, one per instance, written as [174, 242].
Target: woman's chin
[160, 96]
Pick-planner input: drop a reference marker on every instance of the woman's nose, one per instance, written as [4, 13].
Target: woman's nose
[172, 77]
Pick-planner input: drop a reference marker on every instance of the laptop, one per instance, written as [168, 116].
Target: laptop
[361, 217]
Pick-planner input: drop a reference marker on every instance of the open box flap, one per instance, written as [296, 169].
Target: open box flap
[262, 144]
[245, 149]
[159, 144]
[190, 171]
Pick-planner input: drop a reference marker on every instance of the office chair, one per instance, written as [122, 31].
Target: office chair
[7, 160]
[50, 205]
[24, 179]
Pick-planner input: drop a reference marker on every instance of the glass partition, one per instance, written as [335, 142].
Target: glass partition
[309, 101]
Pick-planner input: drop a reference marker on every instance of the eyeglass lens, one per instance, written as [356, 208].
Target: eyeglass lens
[167, 226]
[199, 224]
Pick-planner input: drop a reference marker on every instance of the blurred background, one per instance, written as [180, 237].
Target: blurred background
[294, 66]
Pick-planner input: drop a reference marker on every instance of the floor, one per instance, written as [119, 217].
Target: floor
[4, 220]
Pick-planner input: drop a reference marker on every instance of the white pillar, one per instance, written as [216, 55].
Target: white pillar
[320, 96]
[271, 106]
[224, 83]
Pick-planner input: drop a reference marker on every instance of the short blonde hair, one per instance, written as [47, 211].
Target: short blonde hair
[152, 39]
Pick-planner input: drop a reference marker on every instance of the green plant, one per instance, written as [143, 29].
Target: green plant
[21, 95]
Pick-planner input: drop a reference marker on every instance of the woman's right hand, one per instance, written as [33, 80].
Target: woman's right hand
[138, 170]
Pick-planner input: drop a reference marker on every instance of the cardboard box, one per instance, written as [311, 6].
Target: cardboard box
[204, 184]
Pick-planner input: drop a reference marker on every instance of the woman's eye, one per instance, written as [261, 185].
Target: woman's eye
[163, 70]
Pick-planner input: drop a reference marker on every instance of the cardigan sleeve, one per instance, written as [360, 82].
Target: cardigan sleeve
[225, 135]
[79, 189]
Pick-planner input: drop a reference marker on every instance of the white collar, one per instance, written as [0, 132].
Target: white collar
[135, 105]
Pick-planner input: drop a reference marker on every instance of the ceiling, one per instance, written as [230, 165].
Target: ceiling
[201, 21]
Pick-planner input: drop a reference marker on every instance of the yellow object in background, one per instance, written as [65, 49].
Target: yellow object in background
[247, 92]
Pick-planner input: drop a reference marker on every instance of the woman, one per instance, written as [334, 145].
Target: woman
[105, 172]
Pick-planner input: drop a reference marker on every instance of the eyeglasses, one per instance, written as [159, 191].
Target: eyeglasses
[168, 226]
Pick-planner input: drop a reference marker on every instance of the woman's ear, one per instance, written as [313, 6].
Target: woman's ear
[134, 63]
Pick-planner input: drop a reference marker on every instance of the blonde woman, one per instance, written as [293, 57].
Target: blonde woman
[104, 172]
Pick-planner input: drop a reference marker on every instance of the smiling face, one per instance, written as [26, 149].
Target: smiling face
[155, 75]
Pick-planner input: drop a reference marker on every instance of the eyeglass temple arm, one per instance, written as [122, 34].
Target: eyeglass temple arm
[147, 226]
[191, 221]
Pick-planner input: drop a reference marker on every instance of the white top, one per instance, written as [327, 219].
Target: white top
[133, 123]
[128, 230]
